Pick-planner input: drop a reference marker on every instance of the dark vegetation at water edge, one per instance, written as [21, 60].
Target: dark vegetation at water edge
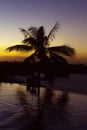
[78, 69]
[8, 69]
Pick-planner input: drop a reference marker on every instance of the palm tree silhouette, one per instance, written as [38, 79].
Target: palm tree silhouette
[36, 39]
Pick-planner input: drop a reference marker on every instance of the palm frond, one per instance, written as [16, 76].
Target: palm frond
[30, 41]
[41, 31]
[33, 31]
[30, 58]
[51, 35]
[65, 50]
[57, 58]
[19, 48]
[25, 33]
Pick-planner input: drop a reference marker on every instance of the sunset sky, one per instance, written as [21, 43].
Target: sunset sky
[72, 15]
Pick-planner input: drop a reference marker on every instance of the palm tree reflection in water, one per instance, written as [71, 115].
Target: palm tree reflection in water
[44, 108]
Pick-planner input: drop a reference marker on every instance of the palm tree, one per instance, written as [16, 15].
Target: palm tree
[37, 40]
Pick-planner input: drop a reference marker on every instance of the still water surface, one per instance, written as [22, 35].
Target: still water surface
[22, 109]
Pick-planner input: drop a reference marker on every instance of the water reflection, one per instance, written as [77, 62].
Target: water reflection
[48, 110]
[45, 107]
[23, 100]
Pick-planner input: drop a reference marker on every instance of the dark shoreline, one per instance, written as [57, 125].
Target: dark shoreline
[19, 68]
[10, 69]
[75, 84]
